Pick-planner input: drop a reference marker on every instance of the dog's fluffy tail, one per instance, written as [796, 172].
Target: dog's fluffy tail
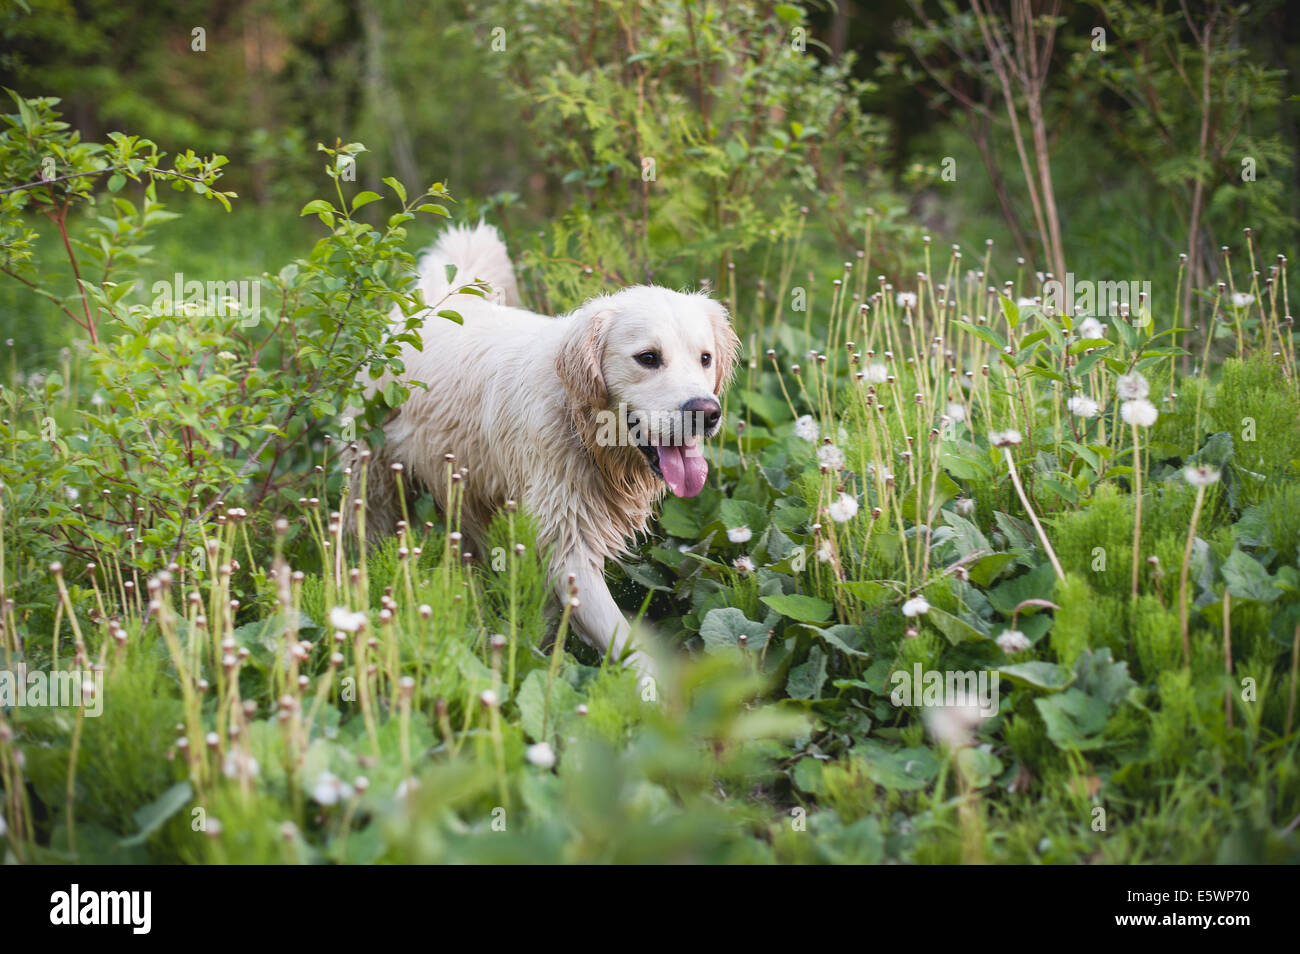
[478, 252]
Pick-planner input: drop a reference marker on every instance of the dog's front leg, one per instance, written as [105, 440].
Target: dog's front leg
[598, 618]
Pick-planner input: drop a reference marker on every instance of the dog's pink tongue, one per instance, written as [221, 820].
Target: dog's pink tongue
[684, 469]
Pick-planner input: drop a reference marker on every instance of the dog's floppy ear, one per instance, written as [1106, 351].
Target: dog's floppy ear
[578, 362]
[726, 345]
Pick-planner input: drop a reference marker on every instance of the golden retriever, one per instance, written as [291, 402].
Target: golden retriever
[583, 419]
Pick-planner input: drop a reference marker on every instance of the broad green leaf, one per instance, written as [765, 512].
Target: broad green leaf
[535, 708]
[154, 815]
[1246, 579]
[397, 187]
[847, 639]
[984, 333]
[1100, 676]
[1038, 583]
[315, 207]
[1010, 309]
[806, 679]
[957, 630]
[721, 630]
[1039, 674]
[1074, 719]
[742, 513]
[906, 770]
[803, 609]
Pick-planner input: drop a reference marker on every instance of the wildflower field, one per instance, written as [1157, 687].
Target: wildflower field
[989, 568]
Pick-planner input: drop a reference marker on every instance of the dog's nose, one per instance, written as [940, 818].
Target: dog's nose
[707, 409]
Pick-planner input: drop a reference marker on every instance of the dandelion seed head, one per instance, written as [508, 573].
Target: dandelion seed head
[1013, 641]
[1082, 406]
[843, 509]
[806, 427]
[1200, 475]
[541, 755]
[1132, 386]
[1139, 413]
[830, 457]
[1091, 328]
[916, 606]
[739, 534]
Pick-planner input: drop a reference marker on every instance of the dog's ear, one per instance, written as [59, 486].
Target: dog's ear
[578, 362]
[726, 345]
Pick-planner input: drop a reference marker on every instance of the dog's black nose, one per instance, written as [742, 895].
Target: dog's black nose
[705, 409]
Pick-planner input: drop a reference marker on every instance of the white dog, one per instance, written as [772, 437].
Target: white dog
[584, 419]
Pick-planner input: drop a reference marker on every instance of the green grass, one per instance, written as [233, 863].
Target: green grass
[219, 743]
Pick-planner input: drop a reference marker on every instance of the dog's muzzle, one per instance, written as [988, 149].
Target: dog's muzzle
[670, 442]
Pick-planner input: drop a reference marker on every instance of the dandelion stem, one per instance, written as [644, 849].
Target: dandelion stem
[1137, 515]
[1033, 517]
[1182, 575]
[1227, 655]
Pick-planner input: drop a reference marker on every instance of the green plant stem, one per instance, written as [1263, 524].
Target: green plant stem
[1033, 517]
[1182, 575]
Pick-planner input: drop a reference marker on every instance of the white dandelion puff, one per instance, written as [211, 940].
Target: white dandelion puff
[1091, 328]
[830, 457]
[1082, 406]
[843, 509]
[1200, 475]
[1013, 641]
[239, 764]
[541, 755]
[1132, 386]
[916, 606]
[346, 620]
[739, 534]
[329, 789]
[806, 428]
[1139, 413]
[955, 725]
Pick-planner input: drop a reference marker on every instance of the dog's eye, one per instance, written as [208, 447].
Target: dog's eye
[648, 359]
[706, 359]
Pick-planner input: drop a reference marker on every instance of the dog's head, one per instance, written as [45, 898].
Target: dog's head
[652, 364]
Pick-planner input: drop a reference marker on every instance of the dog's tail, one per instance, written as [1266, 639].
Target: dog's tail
[478, 252]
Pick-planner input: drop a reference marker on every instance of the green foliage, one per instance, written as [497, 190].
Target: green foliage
[203, 398]
[901, 487]
[669, 131]
[1253, 403]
